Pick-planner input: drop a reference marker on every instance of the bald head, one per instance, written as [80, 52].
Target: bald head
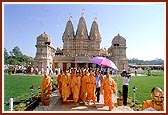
[45, 74]
[107, 75]
[157, 89]
[158, 95]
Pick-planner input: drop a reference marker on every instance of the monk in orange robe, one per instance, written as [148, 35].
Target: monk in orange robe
[59, 82]
[46, 87]
[109, 85]
[84, 91]
[73, 73]
[80, 73]
[91, 87]
[65, 81]
[75, 86]
[157, 101]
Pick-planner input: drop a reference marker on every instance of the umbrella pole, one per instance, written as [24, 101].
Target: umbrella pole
[100, 67]
[116, 73]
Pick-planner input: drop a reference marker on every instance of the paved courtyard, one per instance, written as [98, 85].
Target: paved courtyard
[56, 105]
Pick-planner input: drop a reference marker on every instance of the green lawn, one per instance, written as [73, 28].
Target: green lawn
[18, 86]
[144, 86]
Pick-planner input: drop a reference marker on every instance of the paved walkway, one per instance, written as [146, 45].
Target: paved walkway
[138, 75]
[57, 105]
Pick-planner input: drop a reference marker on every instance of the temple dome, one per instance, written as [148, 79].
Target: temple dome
[44, 37]
[119, 40]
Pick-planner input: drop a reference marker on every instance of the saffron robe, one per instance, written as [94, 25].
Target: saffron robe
[75, 88]
[91, 86]
[109, 85]
[59, 83]
[148, 103]
[46, 87]
[84, 91]
[65, 81]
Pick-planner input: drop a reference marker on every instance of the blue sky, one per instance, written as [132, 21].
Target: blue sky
[141, 24]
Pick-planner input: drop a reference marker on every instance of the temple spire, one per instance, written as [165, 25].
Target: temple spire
[69, 30]
[94, 32]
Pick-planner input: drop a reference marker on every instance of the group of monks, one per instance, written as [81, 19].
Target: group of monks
[81, 84]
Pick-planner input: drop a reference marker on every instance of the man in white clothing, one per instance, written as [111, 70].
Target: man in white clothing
[125, 83]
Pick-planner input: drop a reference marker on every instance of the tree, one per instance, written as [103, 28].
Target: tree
[16, 51]
[146, 62]
[11, 60]
[6, 55]
[16, 57]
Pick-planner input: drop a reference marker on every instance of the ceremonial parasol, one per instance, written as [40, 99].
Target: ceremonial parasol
[103, 61]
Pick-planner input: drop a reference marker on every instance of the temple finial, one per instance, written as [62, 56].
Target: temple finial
[70, 18]
[95, 19]
[83, 12]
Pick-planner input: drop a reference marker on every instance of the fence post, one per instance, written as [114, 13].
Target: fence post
[11, 104]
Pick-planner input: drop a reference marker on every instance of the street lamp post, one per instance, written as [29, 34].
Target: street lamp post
[134, 90]
[31, 91]
[116, 44]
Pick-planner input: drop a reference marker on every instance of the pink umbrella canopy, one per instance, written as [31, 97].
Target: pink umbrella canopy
[103, 61]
